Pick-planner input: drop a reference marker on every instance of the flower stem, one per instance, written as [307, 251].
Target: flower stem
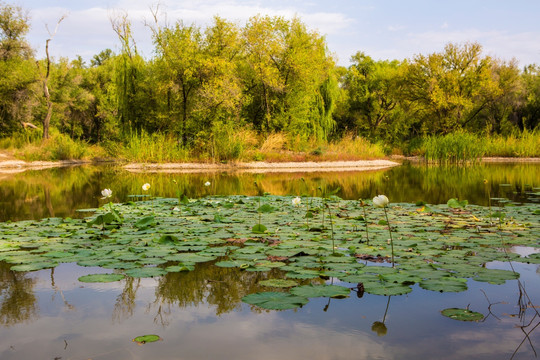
[390, 231]
[365, 221]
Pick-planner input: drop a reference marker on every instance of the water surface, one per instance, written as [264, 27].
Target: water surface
[49, 314]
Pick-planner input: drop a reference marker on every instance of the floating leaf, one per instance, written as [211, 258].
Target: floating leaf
[101, 278]
[311, 291]
[275, 300]
[146, 272]
[462, 314]
[146, 339]
[445, 284]
[495, 276]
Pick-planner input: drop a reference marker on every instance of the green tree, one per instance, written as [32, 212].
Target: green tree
[179, 66]
[529, 117]
[288, 78]
[447, 89]
[373, 96]
[17, 71]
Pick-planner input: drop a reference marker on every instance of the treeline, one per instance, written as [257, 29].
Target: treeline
[208, 87]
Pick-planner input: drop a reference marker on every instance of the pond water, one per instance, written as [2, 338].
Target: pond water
[49, 314]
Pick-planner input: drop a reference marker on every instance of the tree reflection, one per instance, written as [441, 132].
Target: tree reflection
[18, 302]
[125, 302]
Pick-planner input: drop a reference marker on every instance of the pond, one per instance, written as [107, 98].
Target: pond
[200, 314]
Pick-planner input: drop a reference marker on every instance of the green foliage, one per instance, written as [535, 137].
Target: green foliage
[453, 148]
[145, 147]
[221, 91]
[525, 144]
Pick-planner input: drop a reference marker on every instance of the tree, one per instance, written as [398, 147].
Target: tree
[45, 81]
[373, 89]
[17, 72]
[288, 78]
[180, 69]
[530, 111]
[448, 89]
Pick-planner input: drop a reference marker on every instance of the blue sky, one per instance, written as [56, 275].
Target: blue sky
[383, 29]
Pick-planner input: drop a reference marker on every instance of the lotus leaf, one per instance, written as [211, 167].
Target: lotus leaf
[146, 339]
[462, 314]
[310, 291]
[445, 284]
[275, 300]
[101, 278]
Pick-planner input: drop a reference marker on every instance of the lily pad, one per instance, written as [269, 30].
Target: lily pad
[462, 314]
[146, 339]
[445, 284]
[101, 278]
[275, 300]
[311, 291]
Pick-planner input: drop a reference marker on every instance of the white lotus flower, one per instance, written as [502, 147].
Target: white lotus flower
[296, 201]
[106, 193]
[207, 183]
[146, 186]
[380, 201]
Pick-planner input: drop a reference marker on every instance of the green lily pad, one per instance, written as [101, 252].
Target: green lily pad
[275, 300]
[386, 288]
[101, 278]
[34, 266]
[311, 291]
[146, 272]
[462, 314]
[445, 284]
[146, 339]
[495, 276]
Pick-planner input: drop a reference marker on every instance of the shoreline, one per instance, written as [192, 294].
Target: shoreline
[12, 166]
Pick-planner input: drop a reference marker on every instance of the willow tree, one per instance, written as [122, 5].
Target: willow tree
[287, 75]
[130, 77]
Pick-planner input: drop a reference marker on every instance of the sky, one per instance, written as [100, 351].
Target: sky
[382, 29]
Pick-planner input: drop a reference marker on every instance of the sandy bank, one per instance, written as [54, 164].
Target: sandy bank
[256, 167]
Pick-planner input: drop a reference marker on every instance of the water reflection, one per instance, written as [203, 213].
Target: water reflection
[199, 314]
[17, 300]
[60, 192]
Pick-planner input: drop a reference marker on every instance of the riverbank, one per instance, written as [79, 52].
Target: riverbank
[9, 164]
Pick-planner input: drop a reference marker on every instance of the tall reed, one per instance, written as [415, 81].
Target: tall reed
[456, 147]
[525, 144]
[157, 147]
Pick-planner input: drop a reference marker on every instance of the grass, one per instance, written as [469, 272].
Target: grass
[226, 144]
[526, 144]
[461, 147]
[30, 147]
[457, 147]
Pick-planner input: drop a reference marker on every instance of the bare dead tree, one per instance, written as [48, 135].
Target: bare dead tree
[47, 119]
